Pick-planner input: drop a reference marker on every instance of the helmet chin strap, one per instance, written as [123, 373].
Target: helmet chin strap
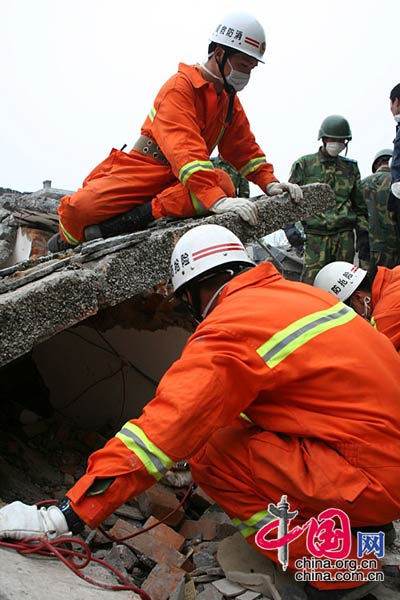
[221, 65]
[195, 305]
[212, 299]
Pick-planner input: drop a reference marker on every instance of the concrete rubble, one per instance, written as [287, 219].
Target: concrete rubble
[103, 273]
[196, 552]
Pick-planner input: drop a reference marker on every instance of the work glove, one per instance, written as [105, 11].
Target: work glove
[19, 521]
[177, 478]
[362, 245]
[294, 190]
[245, 208]
[395, 189]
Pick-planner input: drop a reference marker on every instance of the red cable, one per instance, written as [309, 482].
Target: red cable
[44, 547]
[132, 535]
[68, 556]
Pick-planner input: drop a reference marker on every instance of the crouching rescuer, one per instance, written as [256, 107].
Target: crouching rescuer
[264, 402]
[168, 172]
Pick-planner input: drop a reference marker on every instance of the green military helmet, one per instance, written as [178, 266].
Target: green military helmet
[385, 152]
[335, 126]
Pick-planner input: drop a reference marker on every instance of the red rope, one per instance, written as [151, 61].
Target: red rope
[70, 557]
[132, 535]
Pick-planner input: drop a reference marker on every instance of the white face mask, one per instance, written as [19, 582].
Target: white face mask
[397, 118]
[334, 148]
[237, 79]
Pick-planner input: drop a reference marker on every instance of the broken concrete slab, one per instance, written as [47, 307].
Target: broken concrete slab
[227, 588]
[44, 201]
[41, 298]
[38, 578]
[210, 592]
[8, 234]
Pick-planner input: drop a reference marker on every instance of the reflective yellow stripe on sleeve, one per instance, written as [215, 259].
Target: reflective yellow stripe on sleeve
[373, 323]
[284, 342]
[154, 459]
[252, 165]
[254, 523]
[192, 167]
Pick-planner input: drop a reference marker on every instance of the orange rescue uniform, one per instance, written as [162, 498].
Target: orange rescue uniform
[320, 392]
[188, 120]
[386, 303]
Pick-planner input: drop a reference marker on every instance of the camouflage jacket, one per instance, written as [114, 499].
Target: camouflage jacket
[241, 184]
[382, 231]
[343, 176]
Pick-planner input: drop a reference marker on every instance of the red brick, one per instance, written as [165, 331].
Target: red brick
[201, 499]
[165, 534]
[162, 581]
[147, 544]
[204, 528]
[188, 564]
[39, 241]
[162, 501]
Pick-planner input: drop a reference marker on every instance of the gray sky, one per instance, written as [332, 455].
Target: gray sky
[79, 77]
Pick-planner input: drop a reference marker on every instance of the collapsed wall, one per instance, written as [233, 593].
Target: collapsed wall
[92, 327]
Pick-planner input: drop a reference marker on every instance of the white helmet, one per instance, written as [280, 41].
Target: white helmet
[202, 249]
[340, 278]
[243, 33]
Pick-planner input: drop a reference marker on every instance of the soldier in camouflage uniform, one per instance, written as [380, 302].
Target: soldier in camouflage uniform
[383, 236]
[330, 234]
[241, 184]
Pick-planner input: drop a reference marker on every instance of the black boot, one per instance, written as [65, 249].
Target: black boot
[57, 244]
[134, 220]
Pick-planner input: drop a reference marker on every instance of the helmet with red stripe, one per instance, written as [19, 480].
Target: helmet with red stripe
[340, 278]
[241, 32]
[204, 250]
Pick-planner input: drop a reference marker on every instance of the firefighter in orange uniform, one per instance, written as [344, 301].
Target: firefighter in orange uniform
[314, 387]
[376, 298]
[168, 172]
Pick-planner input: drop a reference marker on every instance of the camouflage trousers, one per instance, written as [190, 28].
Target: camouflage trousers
[320, 250]
[389, 257]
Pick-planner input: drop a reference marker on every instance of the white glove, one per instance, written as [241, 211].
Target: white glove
[19, 521]
[275, 188]
[396, 189]
[177, 478]
[246, 209]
